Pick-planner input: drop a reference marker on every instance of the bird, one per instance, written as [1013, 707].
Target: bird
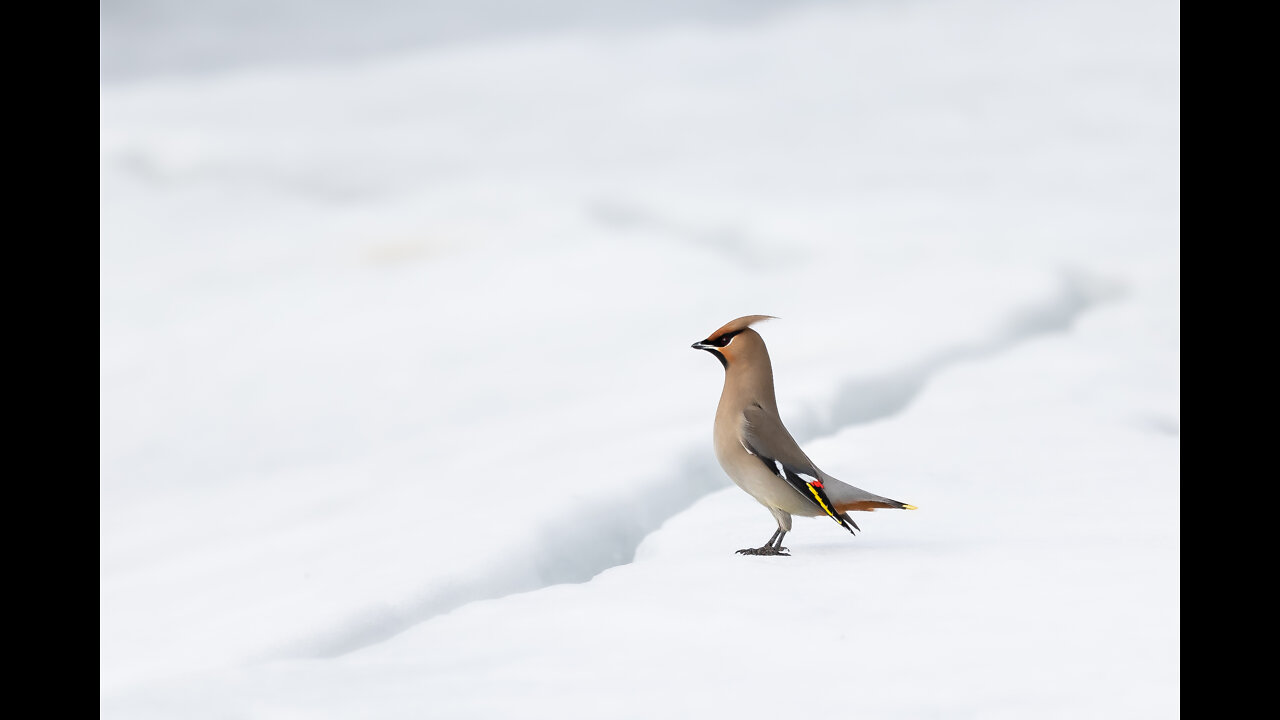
[758, 453]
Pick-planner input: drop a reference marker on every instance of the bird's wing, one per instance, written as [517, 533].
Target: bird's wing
[764, 436]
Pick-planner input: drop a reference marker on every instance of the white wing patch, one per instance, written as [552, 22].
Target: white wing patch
[806, 476]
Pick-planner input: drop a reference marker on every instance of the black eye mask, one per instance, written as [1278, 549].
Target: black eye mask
[724, 339]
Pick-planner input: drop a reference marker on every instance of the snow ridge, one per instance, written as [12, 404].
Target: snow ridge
[577, 547]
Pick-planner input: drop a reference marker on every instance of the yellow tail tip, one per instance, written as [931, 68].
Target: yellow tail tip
[910, 507]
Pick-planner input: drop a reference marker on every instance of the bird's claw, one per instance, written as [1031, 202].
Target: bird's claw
[766, 550]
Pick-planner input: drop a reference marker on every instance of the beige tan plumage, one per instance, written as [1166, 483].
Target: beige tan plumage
[756, 450]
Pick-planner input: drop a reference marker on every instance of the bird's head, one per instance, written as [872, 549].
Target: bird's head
[734, 340]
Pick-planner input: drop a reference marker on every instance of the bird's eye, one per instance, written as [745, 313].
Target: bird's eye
[722, 340]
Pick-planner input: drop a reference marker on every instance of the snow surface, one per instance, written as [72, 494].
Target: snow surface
[399, 417]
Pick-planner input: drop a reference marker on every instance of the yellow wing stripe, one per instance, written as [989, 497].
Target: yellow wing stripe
[818, 496]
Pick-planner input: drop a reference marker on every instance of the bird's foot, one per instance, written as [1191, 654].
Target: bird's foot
[766, 550]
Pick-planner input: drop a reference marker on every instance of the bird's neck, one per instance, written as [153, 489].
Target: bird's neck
[747, 382]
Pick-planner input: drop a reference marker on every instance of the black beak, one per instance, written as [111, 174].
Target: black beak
[713, 349]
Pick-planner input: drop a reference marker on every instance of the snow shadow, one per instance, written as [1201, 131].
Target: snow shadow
[870, 398]
[573, 549]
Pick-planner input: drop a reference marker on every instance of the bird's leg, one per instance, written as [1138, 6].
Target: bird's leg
[771, 547]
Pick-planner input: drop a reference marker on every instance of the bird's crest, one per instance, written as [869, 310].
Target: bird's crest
[740, 324]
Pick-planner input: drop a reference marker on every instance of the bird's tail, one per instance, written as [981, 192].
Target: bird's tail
[846, 498]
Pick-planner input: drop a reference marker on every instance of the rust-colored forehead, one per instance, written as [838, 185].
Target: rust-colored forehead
[739, 324]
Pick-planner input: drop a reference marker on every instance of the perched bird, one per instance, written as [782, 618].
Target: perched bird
[757, 452]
